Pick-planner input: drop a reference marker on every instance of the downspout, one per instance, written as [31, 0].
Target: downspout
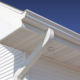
[35, 55]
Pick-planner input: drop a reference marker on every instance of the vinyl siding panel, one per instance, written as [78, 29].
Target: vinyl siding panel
[10, 60]
[45, 68]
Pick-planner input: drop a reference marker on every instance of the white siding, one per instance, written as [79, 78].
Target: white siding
[10, 60]
[45, 69]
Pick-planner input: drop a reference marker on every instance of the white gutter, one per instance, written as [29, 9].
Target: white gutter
[62, 34]
[35, 55]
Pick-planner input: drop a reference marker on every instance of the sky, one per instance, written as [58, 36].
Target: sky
[64, 12]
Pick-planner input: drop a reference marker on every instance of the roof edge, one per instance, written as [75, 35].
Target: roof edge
[43, 23]
[54, 24]
[11, 7]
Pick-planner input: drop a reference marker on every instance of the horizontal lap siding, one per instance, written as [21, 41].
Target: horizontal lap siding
[10, 60]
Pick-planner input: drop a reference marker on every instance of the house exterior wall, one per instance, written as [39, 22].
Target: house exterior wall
[10, 61]
[45, 69]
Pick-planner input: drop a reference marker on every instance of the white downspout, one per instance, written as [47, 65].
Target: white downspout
[35, 55]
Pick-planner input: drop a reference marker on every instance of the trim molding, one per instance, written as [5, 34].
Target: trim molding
[42, 24]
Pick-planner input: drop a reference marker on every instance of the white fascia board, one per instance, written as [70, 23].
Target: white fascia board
[63, 35]
[10, 20]
[10, 7]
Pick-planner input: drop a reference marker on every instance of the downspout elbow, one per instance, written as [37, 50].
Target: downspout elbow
[35, 55]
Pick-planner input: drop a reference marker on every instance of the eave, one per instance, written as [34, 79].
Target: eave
[62, 34]
[30, 32]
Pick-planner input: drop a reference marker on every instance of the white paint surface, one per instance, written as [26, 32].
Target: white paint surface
[45, 69]
[9, 21]
[10, 61]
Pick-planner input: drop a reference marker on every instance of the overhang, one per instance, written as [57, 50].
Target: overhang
[25, 30]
